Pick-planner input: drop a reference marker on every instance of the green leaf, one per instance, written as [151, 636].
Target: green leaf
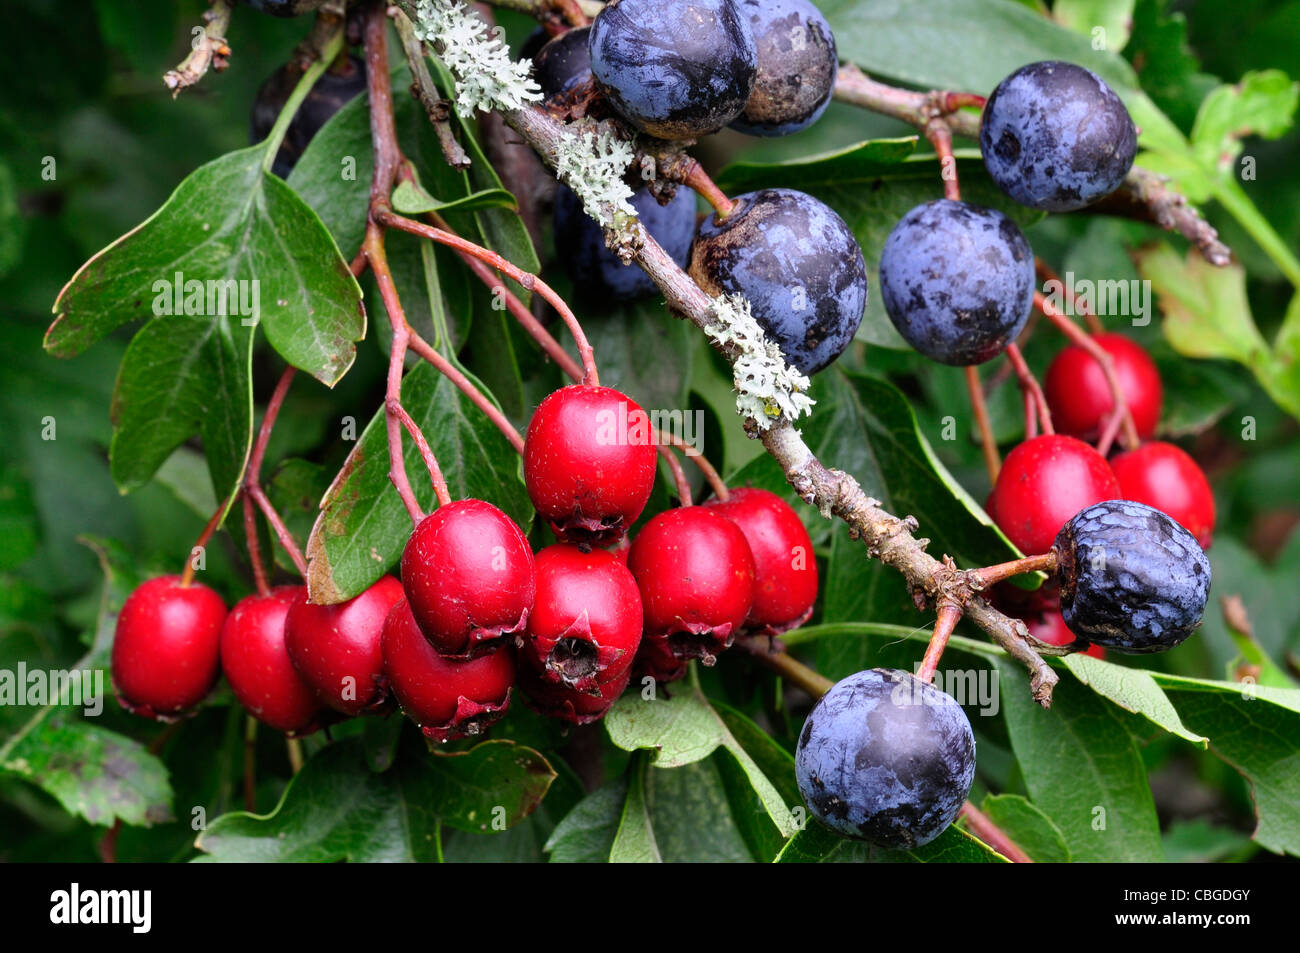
[777, 764]
[363, 525]
[692, 815]
[410, 198]
[337, 808]
[816, 844]
[493, 786]
[185, 474]
[93, 772]
[684, 729]
[334, 809]
[226, 222]
[1132, 689]
[872, 185]
[623, 336]
[1198, 841]
[179, 376]
[586, 834]
[12, 224]
[634, 841]
[1207, 314]
[1261, 103]
[1114, 18]
[1031, 829]
[1083, 770]
[960, 44]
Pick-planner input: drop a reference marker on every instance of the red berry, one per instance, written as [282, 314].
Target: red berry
[1080, 399]
[586, 622]
[257, 664]
[655, 659]
[448, 698]
[557, 700]
[1163, 476]
[336, 648]
[1045, 481]
[589, 463]
[167, 646]
[785, 568]
[696, 576]
[468, 574]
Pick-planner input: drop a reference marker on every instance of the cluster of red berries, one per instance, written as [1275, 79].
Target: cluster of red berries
[1047, 479]
[476, 612]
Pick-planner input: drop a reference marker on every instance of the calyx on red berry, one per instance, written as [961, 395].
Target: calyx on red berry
[448, 698]
[257, 666]
[167, 647]
[1045, 481]
[1080, 398]
[785, 568]
[1161, 475]
[468, 574]
[585, 625]
[589, 463]
[557, 700]
[336, 648]
[696, 576]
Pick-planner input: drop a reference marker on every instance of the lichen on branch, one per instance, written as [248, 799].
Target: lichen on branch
[767, 388]
[487, 77]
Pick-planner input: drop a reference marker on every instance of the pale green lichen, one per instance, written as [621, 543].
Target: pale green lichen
[487, 78]
[593, 163]
[767, 388]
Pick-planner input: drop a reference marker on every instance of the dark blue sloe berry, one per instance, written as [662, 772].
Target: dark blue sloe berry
[332, 91]
[798, 265]
[957, 280]
[886, 758]
[595, 270]
[797, 65]
[1056, 137]
[563, 63]
[1131, 578]
[676, 69]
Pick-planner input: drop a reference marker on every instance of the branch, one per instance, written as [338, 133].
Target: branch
[253, 481]
[1145, 195]
[426, 92]
[833, 492]
[208, 49]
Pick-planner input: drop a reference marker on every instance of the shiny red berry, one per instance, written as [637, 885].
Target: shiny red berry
[586, 621]
[696, 576]
[1045, 481]
[785, 568]
[257, 664]
[167, 647]
[589, 463]
[1080, 398]
[557, 700]
[1163, 476]
[656, 659]
[448, 698]
[468, 575]
[336, 648]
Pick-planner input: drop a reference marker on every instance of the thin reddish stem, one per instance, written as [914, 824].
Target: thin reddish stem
[943, 626]
[250, 764]
[571, 12]
[1047, 274]
[1034, 399]
[940, 136]
[253, 479]
[1080, 337]
[520, 311]
[992, 461]
[281, 531]
[984, 828]
[187, 575]
[529, 281]
[679, 475]
[990, 575]
[425, 350]
[696, 178]
[952, 102]
[711, 475]
[254, 546]
[359, 264]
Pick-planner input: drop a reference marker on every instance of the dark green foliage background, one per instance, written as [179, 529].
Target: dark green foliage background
[697, 776]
